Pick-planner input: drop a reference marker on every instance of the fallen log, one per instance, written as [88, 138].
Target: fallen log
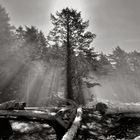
[13, 111]
[76, 124]
[128, 109]
[25, 114]
[37, 116]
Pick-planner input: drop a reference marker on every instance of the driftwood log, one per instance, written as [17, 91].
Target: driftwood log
[126, 109]
[17, 111]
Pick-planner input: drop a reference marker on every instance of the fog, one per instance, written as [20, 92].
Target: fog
[118, 88]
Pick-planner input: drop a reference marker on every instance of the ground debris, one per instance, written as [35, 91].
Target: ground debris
[95, 126]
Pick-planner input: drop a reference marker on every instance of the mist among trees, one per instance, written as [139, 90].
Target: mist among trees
[27, 56]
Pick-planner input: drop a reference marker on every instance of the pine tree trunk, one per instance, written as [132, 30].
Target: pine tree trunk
[69, 66]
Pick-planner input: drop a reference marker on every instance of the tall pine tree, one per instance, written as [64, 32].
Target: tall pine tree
[70, 31]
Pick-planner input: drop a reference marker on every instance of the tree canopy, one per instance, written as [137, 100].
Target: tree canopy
[6, 28]
[69, 32]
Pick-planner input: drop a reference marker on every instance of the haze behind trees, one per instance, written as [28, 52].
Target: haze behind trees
[38, 69]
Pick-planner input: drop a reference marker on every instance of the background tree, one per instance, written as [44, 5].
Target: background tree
[5, 28]
[104, 65]
[6, 34]
[6, 41]
[34, 41]
[42, 45]
[120, 60]
[134, 62]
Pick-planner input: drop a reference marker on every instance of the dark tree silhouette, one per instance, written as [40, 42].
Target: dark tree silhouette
[69, 30]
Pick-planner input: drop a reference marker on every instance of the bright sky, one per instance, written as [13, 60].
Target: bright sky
[115, 22]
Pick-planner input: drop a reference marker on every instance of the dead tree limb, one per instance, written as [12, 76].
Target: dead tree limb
[76, 124]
